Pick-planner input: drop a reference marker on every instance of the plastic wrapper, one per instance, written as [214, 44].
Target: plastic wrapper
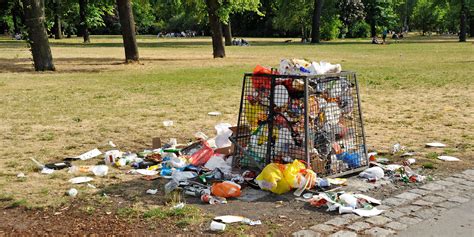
[201, 156]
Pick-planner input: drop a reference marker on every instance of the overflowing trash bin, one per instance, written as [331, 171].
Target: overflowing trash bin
[298, 113]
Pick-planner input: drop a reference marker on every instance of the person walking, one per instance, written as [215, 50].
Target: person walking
[384, 35]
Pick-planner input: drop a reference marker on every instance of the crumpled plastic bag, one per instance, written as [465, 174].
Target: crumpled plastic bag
[216, 161]
[279, 178]
[226, 189]
[201, 156]
[271, 179]
[223, 134]
[372, 173]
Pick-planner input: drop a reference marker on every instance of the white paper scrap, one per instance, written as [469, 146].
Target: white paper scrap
[367, 213]
[90, 154]
[448, 158]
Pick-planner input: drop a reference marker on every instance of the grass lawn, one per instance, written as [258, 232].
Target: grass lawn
[416, 91]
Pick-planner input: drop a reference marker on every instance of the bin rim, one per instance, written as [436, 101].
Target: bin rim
[342, 73]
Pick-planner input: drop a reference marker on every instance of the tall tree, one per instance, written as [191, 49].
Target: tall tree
[58, 32]
[227, 33]
[38, 38]
[315, 35]
[427, 16]
[218, 50]
[462, 25]
[128, 30]
[84, 25]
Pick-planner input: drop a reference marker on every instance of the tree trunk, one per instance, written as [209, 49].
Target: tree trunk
[315, 33]
[227, 34]
[128, 30]
[16, 28]
[471, 25]
[373, 30]
[83, 16]
[58, 34]
[216, 29]
[38, 38]
[462, 33]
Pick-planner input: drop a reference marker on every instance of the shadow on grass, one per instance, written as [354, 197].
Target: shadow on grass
[79, 64]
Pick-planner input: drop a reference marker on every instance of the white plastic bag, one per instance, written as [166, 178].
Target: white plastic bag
[223, 134]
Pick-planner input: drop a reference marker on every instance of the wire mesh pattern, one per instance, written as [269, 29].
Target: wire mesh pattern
[316, 119]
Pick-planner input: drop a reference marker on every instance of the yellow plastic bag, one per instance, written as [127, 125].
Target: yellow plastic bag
[279, 178]
[293, 175]
[271, 179]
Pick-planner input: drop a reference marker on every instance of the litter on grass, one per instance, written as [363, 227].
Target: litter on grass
[448, 158]
[435, 144]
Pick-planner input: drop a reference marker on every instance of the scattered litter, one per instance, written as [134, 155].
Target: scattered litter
[373, 173]
[214, 113]
[21, 175]
[168, 123]
[359, 204]
[112, 144]
[47, 171]
[89, 155]
[448, 158]
[110, 157]
[435, 144]
[91, 186]
[217, 161]
[178, 206]
[146, 172]
[382, 160]
[217, 226]
[307, 195]
[407, 154]
[97, 170]
[226, 189]
[72, 192]
[223, 134]
[152, 191]
[229, 219]
[397, 148]
[58, 166]
[410, 161]
[201, 136]
[368, 212]
[79, 180]
[100, 170]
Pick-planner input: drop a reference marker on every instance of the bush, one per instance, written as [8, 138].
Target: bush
[330, 28]
[359, 30]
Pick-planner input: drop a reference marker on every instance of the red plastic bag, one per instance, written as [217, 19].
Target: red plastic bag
[225, 189]
[201, 156]
[261, 82]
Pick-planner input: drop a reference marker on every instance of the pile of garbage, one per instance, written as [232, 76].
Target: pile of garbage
[335, 142]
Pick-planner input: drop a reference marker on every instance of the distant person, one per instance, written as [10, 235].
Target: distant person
[375, 40]
[244, 42]
[384, 36]
[395, 37]
[17, 36]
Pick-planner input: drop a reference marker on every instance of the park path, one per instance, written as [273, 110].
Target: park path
[439, 208]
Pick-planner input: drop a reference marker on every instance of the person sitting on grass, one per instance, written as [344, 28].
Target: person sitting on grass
[375, 40]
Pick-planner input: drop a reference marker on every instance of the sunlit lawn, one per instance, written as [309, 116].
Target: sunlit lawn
[416, 91]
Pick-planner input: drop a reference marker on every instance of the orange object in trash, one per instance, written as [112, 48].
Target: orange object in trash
[226, 189]
[261, 82]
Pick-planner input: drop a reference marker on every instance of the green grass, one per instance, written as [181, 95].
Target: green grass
[432, 155]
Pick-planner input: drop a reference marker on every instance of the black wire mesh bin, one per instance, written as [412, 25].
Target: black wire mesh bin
[316, 119]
